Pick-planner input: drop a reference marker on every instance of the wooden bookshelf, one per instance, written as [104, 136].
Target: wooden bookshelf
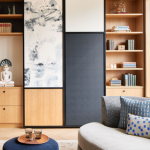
[12, 34]
[133, 19]
[123, 51]
[11, 16]
[132, 15]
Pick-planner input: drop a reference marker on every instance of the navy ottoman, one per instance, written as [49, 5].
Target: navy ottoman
[13, 144]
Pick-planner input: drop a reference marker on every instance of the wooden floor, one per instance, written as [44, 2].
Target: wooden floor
[57, 134]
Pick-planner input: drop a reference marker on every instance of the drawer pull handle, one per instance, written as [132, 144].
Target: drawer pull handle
[124, 91]
[3, 91]
[3, 108]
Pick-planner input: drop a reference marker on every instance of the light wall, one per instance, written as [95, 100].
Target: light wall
[11, 47]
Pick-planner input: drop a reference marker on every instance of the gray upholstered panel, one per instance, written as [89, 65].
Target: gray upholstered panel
[111, 109]
[84, 77]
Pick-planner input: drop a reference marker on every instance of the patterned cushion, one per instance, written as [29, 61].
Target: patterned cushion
[137, 125]
[140, 108]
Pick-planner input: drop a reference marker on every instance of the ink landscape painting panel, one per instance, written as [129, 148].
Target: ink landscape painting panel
[43, 43]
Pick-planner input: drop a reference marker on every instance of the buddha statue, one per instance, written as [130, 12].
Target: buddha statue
[6, 75]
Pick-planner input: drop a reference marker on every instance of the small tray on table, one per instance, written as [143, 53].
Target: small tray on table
[23, 139]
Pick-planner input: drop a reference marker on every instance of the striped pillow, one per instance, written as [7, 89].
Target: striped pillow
[136, 107]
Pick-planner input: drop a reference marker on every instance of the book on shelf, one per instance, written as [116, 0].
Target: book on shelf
[115, 82]
[111, 44]
[128, 64]
[130, 44]
[5, 27]
[128, 79]
[120, 29]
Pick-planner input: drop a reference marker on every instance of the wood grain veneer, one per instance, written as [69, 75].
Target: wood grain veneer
[43, 107]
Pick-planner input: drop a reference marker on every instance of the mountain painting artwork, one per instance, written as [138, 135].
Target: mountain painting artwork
[43, 43]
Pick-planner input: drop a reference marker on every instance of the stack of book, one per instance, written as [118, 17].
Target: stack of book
[5, 27]
[120, 29]
[130, 44]
[111, 44]
[129, 79]
[115, 82]
[128, 64]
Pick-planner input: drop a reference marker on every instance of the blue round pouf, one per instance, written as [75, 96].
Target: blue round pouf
[13, 144]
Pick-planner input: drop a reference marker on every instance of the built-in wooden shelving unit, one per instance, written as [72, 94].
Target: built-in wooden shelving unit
[11, 16]
[134, 19]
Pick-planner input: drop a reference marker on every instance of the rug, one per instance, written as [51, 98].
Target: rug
[63, 144]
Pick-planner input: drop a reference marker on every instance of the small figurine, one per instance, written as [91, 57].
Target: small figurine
[120, 7]
[14, 9]
[9, 11]
[6, 75]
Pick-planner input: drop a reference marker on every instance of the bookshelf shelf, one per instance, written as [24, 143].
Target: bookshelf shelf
[15, 87]
[12, 16]
[123, 33]
[124, 87]
[131, 15]
[123, 51]
[11, 0]
[12, 34]
[124, 69]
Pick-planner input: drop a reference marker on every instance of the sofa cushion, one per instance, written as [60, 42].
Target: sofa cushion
[96, 136]
[140, 108]
[137, 125]
[111, 109]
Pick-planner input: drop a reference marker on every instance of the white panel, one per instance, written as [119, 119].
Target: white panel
[43, 43]
[12, 49]
[84, 15]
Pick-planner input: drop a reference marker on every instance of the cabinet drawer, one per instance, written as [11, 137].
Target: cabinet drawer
[11, 114]
[13, 96]
[2, 97]
[124, 92]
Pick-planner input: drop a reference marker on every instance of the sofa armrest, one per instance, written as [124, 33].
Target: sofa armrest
[110, 110]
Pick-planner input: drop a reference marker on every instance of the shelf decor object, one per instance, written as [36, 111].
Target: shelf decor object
[43, 43]
[6, 75]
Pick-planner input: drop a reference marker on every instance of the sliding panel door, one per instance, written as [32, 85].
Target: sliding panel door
[84, 77]
[43, 78]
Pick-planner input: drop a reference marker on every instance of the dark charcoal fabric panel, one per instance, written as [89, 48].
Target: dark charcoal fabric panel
[84, 78]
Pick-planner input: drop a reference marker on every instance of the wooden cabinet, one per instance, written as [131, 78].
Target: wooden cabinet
[123, 91]
[11, 105]
[11, 114]
[12, 96]
[43, 107]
